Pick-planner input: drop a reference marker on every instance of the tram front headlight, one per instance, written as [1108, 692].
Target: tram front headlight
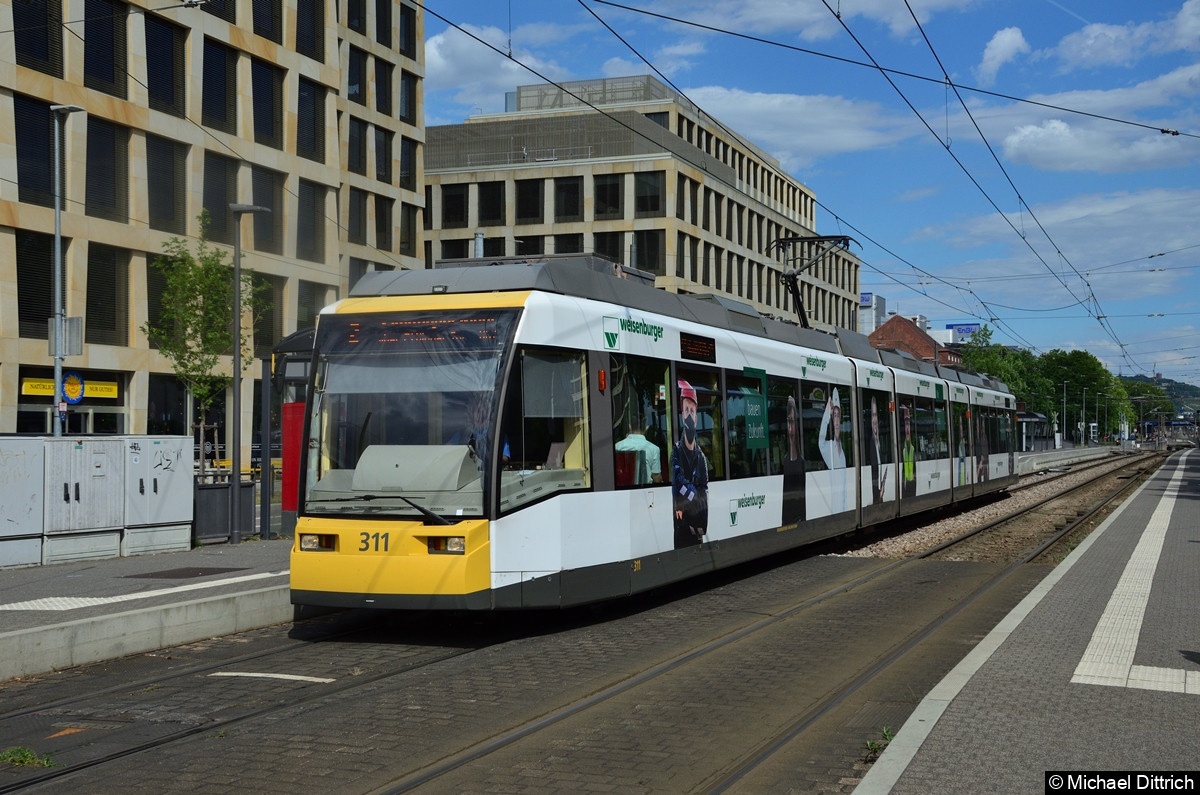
[315, 543]
[447, 545]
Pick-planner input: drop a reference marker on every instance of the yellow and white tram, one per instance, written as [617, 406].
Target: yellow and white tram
[546, 434]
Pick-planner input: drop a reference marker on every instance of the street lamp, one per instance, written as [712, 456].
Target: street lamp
[60, 115]
[1098, 396]
[1082, 415]
[1063, 422]
[235, 477]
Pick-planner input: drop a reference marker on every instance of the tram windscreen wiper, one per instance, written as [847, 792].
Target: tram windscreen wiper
[428, 514]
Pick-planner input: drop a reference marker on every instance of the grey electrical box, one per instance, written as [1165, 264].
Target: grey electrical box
[159, 487]
[22, 477]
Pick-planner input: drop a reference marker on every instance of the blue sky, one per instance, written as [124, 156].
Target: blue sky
[1034, 187]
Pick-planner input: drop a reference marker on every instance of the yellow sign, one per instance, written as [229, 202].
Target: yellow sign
[44, 387]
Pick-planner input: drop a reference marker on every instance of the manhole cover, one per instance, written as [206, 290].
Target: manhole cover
[181, 574]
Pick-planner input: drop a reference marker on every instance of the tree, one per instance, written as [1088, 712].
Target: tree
[195, 328]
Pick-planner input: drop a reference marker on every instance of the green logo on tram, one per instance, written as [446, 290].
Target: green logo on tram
[752, 501]
[614, 326]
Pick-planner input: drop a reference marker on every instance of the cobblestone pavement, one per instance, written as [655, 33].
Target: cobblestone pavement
[679, 732]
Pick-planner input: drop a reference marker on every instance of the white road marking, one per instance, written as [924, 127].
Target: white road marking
[292, 677]
[1108, 659]
[58, 603]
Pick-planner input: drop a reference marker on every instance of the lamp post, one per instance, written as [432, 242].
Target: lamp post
[1063, 430]
[235, 476]
[60, 115]
[1082, 415]
[1098, 396]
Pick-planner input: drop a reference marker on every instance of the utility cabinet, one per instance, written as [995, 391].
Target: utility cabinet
[158, 494]
[84, 499]
[22, 475]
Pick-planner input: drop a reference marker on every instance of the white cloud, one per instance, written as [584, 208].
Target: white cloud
[476, 76]
[1105, 45]
[1055, 145]
[1005, 45]
[798, 129]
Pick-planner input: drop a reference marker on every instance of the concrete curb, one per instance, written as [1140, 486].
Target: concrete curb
[36, 651]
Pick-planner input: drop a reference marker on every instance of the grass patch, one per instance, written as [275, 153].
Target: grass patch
[24, 757]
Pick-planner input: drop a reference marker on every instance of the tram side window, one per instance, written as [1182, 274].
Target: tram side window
[747, 409]
[704, 389]
[825, 407]
[876, 428]
[641, 421]
[783, 423]
[941, 432]
[544, 430]
[925, 430]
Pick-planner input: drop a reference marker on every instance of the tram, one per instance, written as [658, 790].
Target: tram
[558, 432]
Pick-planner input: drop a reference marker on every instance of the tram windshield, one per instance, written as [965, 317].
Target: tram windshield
[402, 415]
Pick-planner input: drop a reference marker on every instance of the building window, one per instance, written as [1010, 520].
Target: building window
[493, 247]
[223, 9]
[609, 196]
[267, 85]
[568, 199]
[408, 230]
[167, 405]
[267, 189]
[107, 319]
[268, 19]
[529, 245]
[268, 323]
[454, 206]
[651, 251]
[310, 29]
[310, 120]
[220, 86]
[310, 222]
[383, 155]
[408, 31]
[107, 170]
[35, 278]
[383, 223]
[356, 226]
[610, 244]
[649, 194]
[220, 189]
[104, 50]
[383, 22]
[568, 244]
[310, 297]
[166, 177]
[408, 97]
[451, 249]
[383, 86]
[491, 204]
[531, 201]
[165, 45]
[356, 15]
[356, 81]
[661, 118]
[37, 33]
[35, 151]
[408, 166]
[356, 146]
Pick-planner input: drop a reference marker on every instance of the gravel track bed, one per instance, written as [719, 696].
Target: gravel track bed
[913, 542]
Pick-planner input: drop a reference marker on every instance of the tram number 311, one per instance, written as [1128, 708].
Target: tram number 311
[373, 542]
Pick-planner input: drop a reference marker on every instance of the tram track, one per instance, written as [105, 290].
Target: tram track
[547, 723]
[768, 747]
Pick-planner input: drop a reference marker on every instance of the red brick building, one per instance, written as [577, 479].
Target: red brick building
[901, 334]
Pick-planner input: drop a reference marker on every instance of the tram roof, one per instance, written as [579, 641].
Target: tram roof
[597, 278]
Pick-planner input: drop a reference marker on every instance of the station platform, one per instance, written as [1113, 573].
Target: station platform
[1098, 669]
[67, 614]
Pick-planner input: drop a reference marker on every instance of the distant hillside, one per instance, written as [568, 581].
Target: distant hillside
[1181, 394]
